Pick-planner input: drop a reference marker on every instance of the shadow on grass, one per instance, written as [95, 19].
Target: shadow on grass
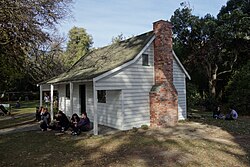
[16, 120]
[239, 129]
[188, 144]
[177, 146]
[121, 149]
[19, 116]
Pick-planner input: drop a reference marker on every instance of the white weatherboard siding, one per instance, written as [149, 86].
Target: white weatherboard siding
[61, 97]
[46, 87]
[89, 101]
[76, 103]
[179, 78]
[64, 102]
[109, 113]
[136, 82]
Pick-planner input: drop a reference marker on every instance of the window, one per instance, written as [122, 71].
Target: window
[67, 91]
[101, 96]
[145, 59]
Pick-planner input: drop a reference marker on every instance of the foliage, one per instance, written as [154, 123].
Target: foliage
[25, 26]
[78, 45]
[238, 90]
[212, 48]
[193, 96]
[23, 23]
[234, 30]
[144, 127]
[118, 38]
[47, 62]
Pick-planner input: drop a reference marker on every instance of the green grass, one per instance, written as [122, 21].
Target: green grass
[238, 127]
[23, 115]
[211, 142]
[143, 148]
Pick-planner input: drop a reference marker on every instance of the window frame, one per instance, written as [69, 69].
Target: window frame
[145, 60]
[101, 96]
[67, 91]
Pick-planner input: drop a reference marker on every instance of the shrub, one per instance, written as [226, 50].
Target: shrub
[193, 95]
[238, 90]
[144, 127]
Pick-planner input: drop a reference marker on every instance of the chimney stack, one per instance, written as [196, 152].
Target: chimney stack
[163, 95]
[163, 51]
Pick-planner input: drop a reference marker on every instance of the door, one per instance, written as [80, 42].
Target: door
[82, 96]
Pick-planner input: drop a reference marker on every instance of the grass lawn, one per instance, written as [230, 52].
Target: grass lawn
[23, 115]
[197, 142]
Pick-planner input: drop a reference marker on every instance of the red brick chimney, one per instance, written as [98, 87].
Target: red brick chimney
[163, 95]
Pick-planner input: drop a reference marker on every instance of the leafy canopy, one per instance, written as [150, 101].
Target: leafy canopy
[78, 45]
[25, 25]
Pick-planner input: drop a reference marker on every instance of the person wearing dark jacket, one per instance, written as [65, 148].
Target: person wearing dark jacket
[84, 123]
[74, 124]
[38, 113]
[45, 119]
[63, 121]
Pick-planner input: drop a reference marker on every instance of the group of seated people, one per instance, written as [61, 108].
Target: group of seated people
[61, 122]
[232, 115]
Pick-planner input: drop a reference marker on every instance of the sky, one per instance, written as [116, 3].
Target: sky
[104, 19]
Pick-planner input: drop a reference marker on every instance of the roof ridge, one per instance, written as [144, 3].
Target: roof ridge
[103, 59]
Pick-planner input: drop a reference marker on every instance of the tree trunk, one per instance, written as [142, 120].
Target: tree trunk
[213, 81]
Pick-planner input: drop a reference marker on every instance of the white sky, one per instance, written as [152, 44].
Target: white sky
[104, 19]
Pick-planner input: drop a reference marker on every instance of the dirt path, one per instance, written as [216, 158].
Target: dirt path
[21, 128]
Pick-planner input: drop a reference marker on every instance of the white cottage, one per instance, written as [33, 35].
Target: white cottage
[138, 81]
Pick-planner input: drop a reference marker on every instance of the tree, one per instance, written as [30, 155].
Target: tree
[118, 38]
[78, 45]
[48, 61]
[24, 23]
[238, 89]
[25, 26]
[234, 26]
[205, 49]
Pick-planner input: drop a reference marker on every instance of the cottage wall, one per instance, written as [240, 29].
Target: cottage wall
[135, 81]
[179, 79]
[132, 84]
[109, 113]
[62, 99]
[89, 101]
[64, 102]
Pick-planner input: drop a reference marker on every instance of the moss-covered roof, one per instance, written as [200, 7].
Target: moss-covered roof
[104, 59]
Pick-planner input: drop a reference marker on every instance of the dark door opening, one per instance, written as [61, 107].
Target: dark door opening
[82, 96]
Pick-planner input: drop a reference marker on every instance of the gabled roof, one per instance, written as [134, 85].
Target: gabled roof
[104, 59]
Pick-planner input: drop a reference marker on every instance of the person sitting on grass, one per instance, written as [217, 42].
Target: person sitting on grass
[18, 105]
[54, 125]
[45, 119]
[217, 114]
[84, 123]
[38, 113]
[63, 121]
[233, 115]
[74, 124]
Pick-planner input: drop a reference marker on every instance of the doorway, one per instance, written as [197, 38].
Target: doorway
[82, 96]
